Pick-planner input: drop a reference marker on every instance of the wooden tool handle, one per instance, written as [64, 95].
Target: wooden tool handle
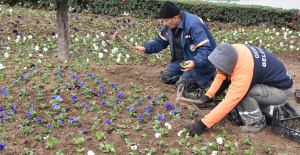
[189, 100]
[126, 42]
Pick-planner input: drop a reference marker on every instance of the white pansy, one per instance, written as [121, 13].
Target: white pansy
[8, 38]
[10, 10]
[17, 40]
[103, 43]
[260, 41]
[76, 39]
[126, 13]
[168, 126]
[157, 135]
[37, 48]
[102, 34]
[18, 37]
[30, 37]
[46, 137]
[1, 66]
[97, 36]
[25, 68]
[277, 33]
[158, 56]
[131, 39]
[45, 49]
[6, 55]
[114, 50]
[119, 55]
[135, 43]
[281, 44]
[220, 140]
[118, 60]
[72, 36]
[87, 60]
[127, 56]
[96, 48]
[214, 153]
[40, 61]
[105, 50]
[66, 61]
[7, 48]
[267, 30]
[88, 35]
[100, 55]
[24, 38]
[179, 133]
[90, 152]
[133, 147]
[41, 55]
[283, 28]
[291, 47]
[30, 55]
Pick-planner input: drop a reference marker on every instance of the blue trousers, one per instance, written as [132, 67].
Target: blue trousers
[173, 69]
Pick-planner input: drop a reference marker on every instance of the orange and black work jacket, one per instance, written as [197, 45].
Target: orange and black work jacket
[253, 66]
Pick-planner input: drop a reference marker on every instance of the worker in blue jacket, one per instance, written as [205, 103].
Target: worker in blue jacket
[190, 42]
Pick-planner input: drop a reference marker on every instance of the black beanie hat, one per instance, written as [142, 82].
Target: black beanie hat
[169, 10]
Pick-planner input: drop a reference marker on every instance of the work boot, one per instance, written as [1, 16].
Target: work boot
[255, 127]
[289, 110]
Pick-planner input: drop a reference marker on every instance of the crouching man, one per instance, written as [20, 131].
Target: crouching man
[254, 78]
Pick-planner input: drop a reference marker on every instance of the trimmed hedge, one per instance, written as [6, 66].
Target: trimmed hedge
[244, 15]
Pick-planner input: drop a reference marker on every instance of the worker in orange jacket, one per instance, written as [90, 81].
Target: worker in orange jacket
[254, 79]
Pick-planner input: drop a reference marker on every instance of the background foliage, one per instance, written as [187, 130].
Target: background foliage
[244, 15]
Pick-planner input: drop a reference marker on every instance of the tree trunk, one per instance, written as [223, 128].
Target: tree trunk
[62, 22]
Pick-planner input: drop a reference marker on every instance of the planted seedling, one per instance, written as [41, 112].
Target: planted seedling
[184, 63]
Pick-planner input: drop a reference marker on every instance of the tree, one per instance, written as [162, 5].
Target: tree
[62, 22]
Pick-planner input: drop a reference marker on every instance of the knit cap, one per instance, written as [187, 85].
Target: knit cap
[169, 10]
[224, 57]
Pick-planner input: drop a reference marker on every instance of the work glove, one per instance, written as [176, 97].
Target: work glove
[205, 99]
[196, 128]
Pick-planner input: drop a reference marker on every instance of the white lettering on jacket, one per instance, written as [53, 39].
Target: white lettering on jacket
[256, 55]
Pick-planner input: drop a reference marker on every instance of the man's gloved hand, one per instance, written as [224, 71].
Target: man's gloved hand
[205, 99]
[196, 128]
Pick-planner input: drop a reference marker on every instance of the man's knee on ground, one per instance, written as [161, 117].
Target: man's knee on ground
[168, 79]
